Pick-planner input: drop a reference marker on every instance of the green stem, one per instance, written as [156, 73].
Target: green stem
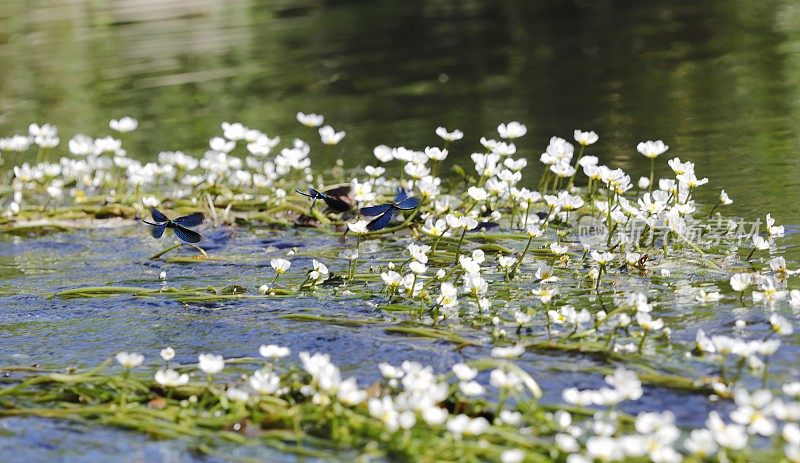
[521, 256]
[161, 253]
[641, 341]
[578, 160]
[458, 248]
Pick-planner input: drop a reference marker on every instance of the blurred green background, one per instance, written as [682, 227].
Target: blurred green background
[716, 80]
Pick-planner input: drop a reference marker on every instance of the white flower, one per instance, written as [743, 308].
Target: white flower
[794, 298]
[464, 425]
[310, 120]
[416, 171]
[162, 276]
[511, 130]
[383, 153]
[167, 353]
[265, 382]
[505, 262]
[740, 281]
[17, 143]
[42, 131]
[171, 378]
[585, 138]
[704, 297]
[391, 278]
[350, 254]
[319, 272]
[477, 194]
[774, 230]
[273, 351]
[760, 243]
[778, 265]
[509, 417]
[791, 433]
[602, 258]
[434, 416]
[534, 231]
[780, 325]
[701, 442]
[329, 136]
[754, 411]
[475, 284]
[419, 252]
[218, 144]
[569, 315]
[234, 131]
[280, 265]
[129, 359]
[639, 302]
[512, 456]
[350, 394]
[652, 149]
[263, 289]
[505, 379]
[464, 372]
[769, 292]
[417, 267]
[435, 153]
[544, 294]
[81, 145]
[210, 364]
[448, 297]
[391, 372]
[471, 388]
[558, 249]
[603, 448]
[647, 323]
[384, 410]
[374, 172]
[236, 394]
[124, 125]
[730, 436]
[449, 136]
[107, 145]
[724, 199]
[508, 352]
[566, 443]
[359, 227]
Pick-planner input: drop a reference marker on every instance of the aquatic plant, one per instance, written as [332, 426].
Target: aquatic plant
[475, 260]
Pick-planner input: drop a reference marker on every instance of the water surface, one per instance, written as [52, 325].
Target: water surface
[716, 80]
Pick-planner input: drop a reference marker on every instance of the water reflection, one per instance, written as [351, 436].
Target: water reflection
[717, 80]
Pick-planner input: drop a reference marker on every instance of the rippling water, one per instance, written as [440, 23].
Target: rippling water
[718, 81]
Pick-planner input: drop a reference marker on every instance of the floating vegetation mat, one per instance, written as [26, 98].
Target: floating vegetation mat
[573, 260]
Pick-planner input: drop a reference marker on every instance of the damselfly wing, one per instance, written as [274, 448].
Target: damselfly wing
[381, 221]
[401, 195]
[158, 230]
[158, 216]
[372, 211]
[191, 220]
[337, 199]
[408, 203]
[190, 236]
